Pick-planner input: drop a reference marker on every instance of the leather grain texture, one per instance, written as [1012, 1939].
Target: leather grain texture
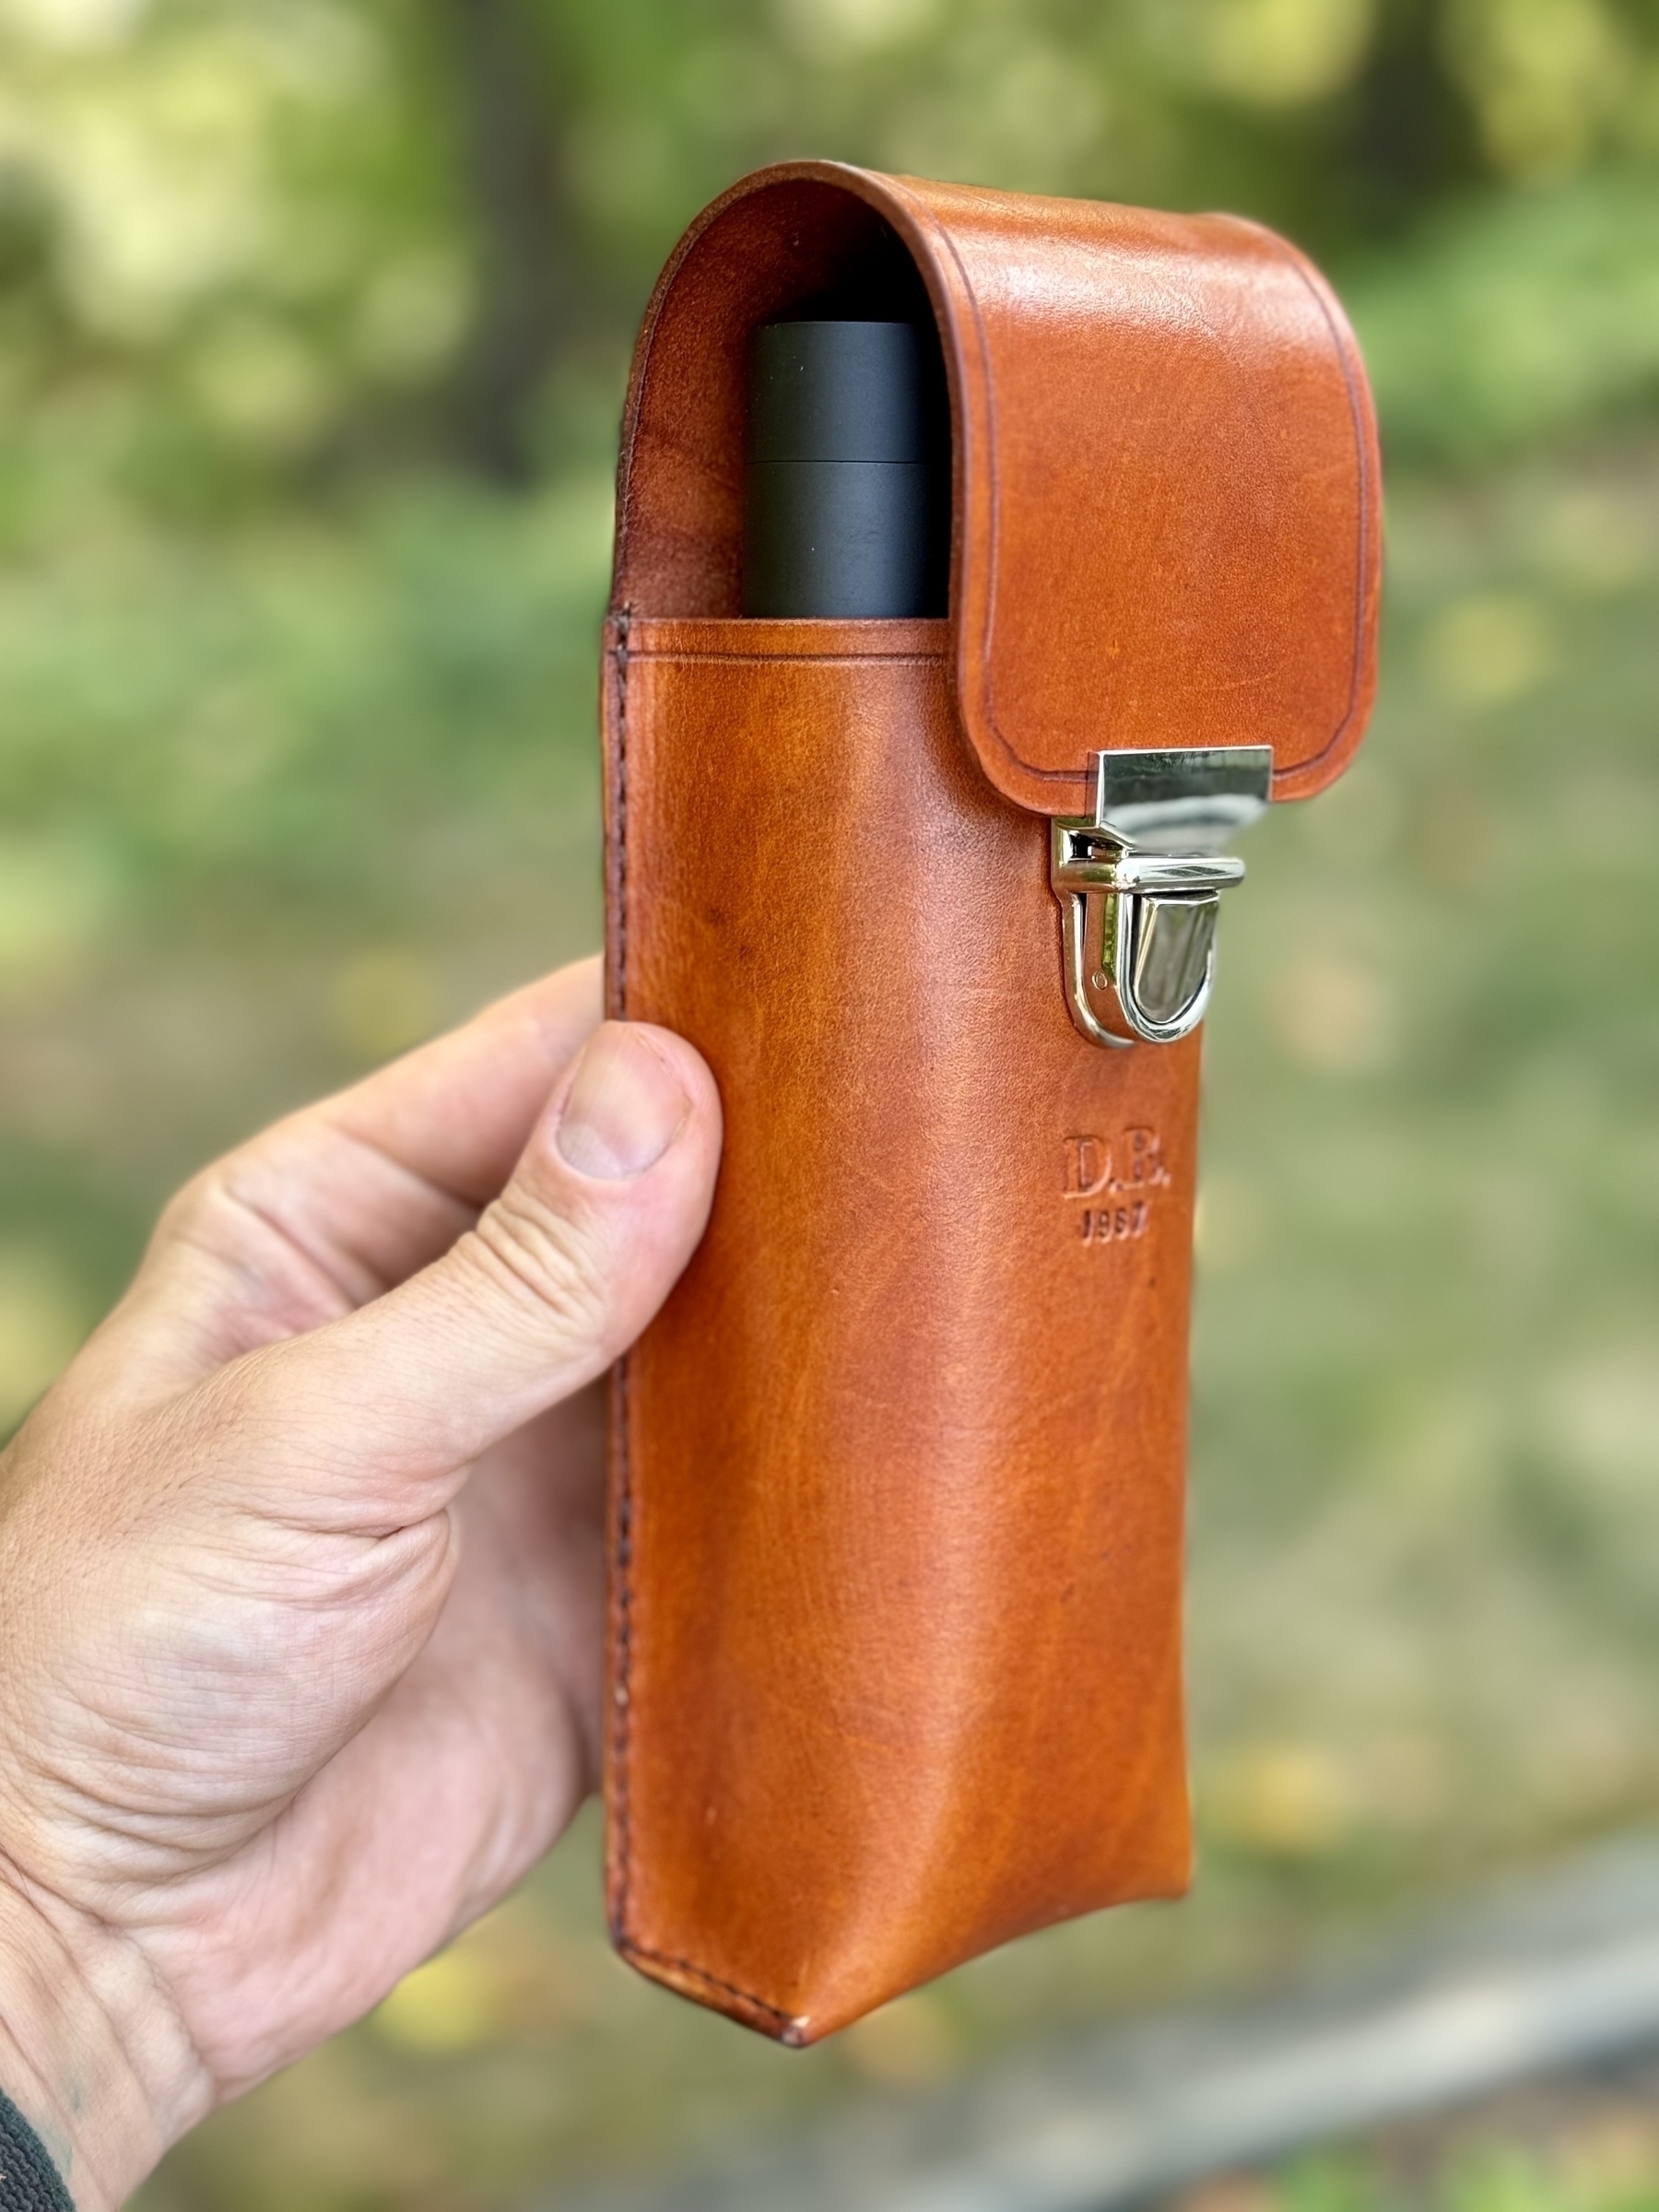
[1167, 513]
[896, 1481]
[898, 1477]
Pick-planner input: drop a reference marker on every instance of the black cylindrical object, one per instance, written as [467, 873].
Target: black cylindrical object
[846, 483]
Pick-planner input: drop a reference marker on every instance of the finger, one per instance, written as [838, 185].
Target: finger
[370, 1422]
[336, 1203]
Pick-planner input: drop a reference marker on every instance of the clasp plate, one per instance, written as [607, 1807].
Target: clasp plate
[1139, 886]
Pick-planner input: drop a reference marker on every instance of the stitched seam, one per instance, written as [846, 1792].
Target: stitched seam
[1367, 488]
[800, 660]
[1366, 493]
[730, 1989]
[922, 214]
[1066, 778]
[623, 623]
[624, 1558]
[622, 1727]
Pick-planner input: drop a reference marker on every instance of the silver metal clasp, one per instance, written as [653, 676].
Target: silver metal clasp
[1139, 886]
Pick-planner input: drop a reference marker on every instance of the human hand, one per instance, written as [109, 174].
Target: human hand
[300, 1565]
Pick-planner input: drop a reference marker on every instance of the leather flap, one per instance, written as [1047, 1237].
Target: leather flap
[1166, 516]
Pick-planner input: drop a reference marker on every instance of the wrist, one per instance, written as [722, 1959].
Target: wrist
[91, 2054]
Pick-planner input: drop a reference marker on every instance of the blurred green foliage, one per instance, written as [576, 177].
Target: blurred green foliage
[273, 804]
[1604, 2159]
[243, 240]
[1517, 318]
[313, 318]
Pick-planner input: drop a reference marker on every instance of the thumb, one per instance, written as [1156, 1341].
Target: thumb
[377, 1415]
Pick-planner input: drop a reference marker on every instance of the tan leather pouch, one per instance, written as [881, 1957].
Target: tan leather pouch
[897, 1485]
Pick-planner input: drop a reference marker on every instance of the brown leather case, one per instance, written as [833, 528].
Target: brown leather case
[897, 1483]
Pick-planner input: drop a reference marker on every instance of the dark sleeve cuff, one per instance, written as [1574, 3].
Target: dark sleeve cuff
[28, 2180]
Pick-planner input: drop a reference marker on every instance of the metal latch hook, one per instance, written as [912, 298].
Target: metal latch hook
[1140, 883]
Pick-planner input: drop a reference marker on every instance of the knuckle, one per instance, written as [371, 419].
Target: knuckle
[204, 1215]
[540, 1255]
[191, 1208]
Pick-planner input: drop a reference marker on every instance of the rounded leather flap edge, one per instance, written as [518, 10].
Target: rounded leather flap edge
[1024, 644]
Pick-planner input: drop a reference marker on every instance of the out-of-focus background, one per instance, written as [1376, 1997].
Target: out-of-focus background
[314, 318]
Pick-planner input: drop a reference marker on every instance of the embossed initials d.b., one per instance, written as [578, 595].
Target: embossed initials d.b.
[1131, 1162]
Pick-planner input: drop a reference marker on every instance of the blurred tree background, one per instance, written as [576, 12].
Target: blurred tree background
[314, 318]
[247, 250]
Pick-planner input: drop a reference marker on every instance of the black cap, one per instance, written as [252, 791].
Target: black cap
[839, 391]
[847, 481]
